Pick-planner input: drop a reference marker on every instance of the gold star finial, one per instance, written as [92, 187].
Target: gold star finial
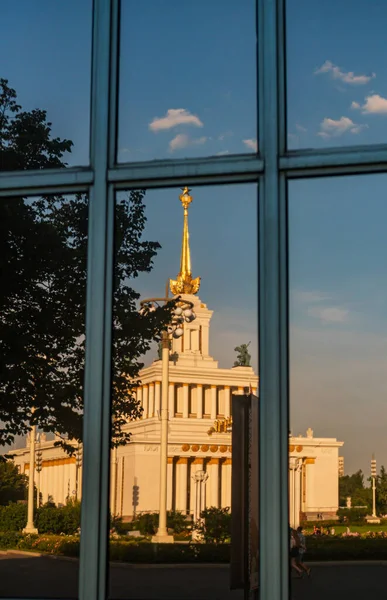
[184, 284]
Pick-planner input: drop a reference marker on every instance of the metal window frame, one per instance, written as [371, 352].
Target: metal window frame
[272, 169]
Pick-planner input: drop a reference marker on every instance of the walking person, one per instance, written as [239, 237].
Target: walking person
[301, 551]
[294, 553]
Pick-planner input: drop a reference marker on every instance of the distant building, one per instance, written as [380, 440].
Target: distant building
[341, 466]
[199, 393]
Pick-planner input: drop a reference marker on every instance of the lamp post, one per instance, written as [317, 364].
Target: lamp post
[78, 465]
[182, 313]
[39, 465]
[373, 475]
[30, 527]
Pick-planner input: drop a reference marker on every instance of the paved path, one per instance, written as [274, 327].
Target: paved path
[33, 577]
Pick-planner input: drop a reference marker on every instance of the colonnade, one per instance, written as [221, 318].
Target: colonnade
[182, 490]
[188, 400]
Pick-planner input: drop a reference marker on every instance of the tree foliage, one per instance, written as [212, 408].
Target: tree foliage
[13, 485]
[43, 268]
[353, 486]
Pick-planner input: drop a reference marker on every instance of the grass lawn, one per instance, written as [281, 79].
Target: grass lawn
[339, 529]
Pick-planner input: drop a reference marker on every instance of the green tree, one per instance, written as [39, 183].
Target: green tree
[13, 485]
[43, 264]
[381, 491]
[353, 486]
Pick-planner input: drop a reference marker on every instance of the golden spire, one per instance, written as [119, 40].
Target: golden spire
[184, 284]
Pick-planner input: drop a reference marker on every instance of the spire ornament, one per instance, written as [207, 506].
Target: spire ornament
[184, 283]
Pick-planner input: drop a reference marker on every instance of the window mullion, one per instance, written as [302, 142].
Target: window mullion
[272, 293]
[95, 484]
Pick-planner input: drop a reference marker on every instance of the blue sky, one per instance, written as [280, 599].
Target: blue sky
[187, 88]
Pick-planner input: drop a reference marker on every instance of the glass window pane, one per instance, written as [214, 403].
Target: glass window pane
[187, 79]
[43, 246]
[45, 84]
[338, 361]
[212, 361]
[336, 84]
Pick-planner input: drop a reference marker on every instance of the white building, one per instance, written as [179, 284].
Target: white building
[199, 393]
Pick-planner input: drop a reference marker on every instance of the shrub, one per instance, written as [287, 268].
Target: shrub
[169, 553]
[215, 526]
[9, 539]
[121, 527]
[147, 523]
[177, 521]
[13, 517]
[65, 519]
[346, 548]
[352, 515]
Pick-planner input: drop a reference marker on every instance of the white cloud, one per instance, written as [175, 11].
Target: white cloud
[182, 140]
[251, 143]
[332, 128]
[301, 128]
[346, 77]
[305, 296]
[374, 104]
[174, 117]
[222, 153]
[329, 314]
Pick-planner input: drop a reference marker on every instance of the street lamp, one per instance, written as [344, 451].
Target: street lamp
[30, 527]
[200, 478]
[78, 465]
[182, 313]
[373, 475]
[39, 465]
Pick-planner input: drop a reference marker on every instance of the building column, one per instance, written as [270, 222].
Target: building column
[145, 401]
[227, 401]
[157, 398]
[171, 400]
[241, 390]
[254, 391]
[169, 482]
[214, 407]
[205, 339]
[291, 497]
[310, 501]
[139, 395]
[181, 484]
[199, 401]
[213, 482]
[187, 339]
[185, 400]
[151, 400]
[226, 483]
[297, 495]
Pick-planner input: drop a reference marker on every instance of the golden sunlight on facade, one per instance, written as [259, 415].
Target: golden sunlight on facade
[199, 396]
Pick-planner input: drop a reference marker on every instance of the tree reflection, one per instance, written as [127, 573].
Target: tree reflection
[43, 270]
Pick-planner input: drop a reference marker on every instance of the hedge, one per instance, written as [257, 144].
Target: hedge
[48, 519]
[345, 548]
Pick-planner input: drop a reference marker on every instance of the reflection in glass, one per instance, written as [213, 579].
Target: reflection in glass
[43, 248]
[188, 87]
[45, 84]
[336, 76]
[180, 361]
[338, 361]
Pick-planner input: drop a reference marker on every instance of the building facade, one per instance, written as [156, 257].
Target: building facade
[199, 394]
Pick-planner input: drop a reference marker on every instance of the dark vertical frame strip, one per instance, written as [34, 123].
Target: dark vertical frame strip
[95, 485]
[272, 294]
